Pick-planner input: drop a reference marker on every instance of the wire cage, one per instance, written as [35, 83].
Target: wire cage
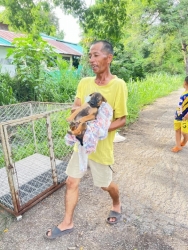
[33, 153]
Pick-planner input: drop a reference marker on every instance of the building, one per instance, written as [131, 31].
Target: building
[69, 51]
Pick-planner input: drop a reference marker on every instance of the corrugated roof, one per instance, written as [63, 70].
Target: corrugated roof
[60, 46]
[74, 46]
[4, 42]
[9, 36]
[48, 37]
[63, 48]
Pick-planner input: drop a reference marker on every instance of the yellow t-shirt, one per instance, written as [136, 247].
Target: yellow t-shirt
[115, 93]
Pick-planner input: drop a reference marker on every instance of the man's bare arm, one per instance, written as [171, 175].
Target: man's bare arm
[118, 123]
[76, 104]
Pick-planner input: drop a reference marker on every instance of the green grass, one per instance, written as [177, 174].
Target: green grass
[146, 91]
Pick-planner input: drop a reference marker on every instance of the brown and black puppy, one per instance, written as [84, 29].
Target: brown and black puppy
[87, 112]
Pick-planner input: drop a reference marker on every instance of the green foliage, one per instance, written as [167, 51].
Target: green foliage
[2, 161]
[59, 85]
[75, 7]
[154, 34]
[169, 26]
[31, 57]
[105, 19]
[41, 74]
[6, 92]
[31, 17]
[84, 67]
[126, 66]
[143, 92]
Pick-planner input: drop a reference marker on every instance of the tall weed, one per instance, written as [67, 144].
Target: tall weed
[6, 92]
[143, 92]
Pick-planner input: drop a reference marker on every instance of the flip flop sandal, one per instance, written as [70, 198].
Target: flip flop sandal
[113, 214]
[56, 232]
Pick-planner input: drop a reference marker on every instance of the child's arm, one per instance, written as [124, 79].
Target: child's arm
[180, 105]
[185, 117]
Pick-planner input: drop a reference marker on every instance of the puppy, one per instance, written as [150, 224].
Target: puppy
[87, 112]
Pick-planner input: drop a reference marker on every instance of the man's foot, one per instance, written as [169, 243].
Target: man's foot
[55, 232]
[176, 149]
[183, 143]
[114, 215]
[62, 227]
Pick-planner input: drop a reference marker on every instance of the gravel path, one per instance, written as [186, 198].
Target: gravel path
[153, 186]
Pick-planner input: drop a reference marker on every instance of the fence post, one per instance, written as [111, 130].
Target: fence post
[10, 168]
[51, 147]
[33, 128]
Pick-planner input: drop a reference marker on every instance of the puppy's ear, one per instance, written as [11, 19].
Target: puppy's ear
[104, 99]
[91, 94]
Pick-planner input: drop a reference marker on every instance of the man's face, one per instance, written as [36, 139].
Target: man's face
[99, 60]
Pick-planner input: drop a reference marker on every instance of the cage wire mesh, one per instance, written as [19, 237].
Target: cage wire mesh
[33, 154]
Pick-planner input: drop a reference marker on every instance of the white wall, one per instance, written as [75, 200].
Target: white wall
[6, 64]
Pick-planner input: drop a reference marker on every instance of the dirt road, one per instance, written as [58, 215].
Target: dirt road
[153, 185]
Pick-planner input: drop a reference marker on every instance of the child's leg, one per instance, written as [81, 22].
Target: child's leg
[184, 129]
[177, 127]
[185, 139]
[178, 141]
[178, 138]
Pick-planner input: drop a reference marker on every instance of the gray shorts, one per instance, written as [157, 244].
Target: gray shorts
[102, 174]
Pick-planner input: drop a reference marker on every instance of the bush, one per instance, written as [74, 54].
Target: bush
[30, 57]
[6, 92]
[143, 92]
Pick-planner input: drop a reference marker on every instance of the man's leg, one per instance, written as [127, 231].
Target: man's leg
[71, 199]
[102, 177]
[113, 191]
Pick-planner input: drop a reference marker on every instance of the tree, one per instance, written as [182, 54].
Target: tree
[105, 20]
[172, 23]
[31, 57]
[146, 39]
[76, 8]
[31, 16]
[146, 34]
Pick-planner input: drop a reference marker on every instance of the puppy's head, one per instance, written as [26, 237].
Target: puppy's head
[96, 100]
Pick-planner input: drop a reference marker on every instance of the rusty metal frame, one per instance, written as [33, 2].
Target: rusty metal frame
[9, 164]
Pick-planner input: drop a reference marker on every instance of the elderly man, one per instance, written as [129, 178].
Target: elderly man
[115, 92]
